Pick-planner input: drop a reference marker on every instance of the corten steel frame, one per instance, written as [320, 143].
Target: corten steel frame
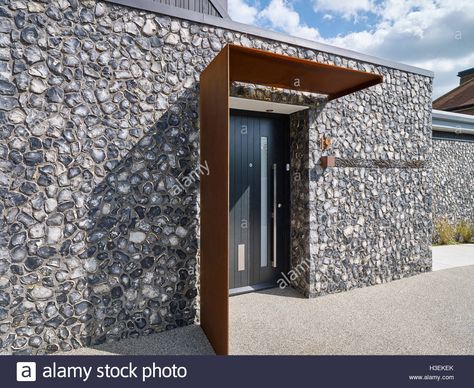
[236, 63]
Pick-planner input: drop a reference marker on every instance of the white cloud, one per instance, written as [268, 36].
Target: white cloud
[432, 34]
[280, 15]
[241, 11]
[446, 71]
[436, 35]
[348, 9]
[397, 9]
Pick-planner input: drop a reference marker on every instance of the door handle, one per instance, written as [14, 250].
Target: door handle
[275, 208]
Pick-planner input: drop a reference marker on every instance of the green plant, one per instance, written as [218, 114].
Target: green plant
[445, 232]
[464, 232]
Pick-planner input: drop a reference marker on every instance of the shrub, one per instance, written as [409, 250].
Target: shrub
[464, 232]
[445, 232]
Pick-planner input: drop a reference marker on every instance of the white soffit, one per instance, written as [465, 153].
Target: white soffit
[264, 106]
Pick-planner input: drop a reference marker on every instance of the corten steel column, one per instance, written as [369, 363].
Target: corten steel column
[214, 265]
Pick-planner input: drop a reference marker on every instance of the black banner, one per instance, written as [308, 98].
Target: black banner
[312, 371]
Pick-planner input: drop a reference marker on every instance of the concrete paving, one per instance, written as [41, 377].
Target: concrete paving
[432, 313]
[189, 340]
[451, 256]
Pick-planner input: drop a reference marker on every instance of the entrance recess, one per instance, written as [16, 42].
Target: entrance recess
[259, 200]
[235, 63]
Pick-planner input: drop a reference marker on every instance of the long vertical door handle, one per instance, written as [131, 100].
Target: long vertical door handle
[275, 207]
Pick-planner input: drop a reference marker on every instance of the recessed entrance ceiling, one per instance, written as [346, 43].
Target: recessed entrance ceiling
[264, 106]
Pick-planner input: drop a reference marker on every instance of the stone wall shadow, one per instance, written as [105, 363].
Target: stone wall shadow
[142, 221]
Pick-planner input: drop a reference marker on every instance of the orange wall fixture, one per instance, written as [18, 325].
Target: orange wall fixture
[236, 63]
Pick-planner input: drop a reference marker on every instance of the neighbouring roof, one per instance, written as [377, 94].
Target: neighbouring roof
[466, 72]
[216, 8]
[460, 97]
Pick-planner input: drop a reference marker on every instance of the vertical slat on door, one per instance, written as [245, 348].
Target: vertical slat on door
[254, 211]
[237, 193]
[245, 194]
[237, 204]
[232, 241]
[214, 239]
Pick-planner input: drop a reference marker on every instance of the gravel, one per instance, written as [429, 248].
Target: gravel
[426, 314]
[189, 340]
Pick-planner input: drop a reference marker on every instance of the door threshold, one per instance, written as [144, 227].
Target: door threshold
[247, 289]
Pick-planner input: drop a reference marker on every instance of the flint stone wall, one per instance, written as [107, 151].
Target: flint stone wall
[98, 128]
[453, 178]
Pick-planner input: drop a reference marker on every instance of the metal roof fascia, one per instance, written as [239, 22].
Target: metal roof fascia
[452, 122]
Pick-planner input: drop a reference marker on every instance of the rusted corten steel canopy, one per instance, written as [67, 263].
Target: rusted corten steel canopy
[235, 63]
[280, 71]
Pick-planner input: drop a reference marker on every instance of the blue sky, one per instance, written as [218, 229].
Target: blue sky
[329, 24]
[434, 34]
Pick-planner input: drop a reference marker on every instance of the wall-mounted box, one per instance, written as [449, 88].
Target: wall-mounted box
[328, 161]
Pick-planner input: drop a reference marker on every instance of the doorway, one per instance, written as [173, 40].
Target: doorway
[259, 200]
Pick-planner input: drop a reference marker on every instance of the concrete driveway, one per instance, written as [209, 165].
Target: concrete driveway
[432, 313]
[451, 256]
[189, 340]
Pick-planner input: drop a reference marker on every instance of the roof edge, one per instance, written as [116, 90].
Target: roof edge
[448, 93]
[222, 11]
[263, 33]
[466, 72]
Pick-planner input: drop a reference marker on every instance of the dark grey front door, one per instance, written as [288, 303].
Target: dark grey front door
[259, 199]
